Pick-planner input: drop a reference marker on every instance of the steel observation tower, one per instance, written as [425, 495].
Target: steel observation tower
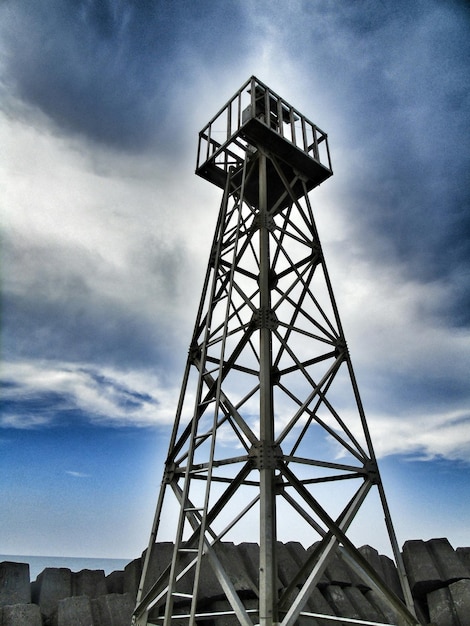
[270, 433]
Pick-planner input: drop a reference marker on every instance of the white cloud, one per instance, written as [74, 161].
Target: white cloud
[443, 434]
[77, 474]
[103, 396]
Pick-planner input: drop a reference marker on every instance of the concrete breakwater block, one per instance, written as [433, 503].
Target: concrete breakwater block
[342, 605]
[366, 610]
[14, 583]
[74, 611]
[450, 606]
[20, 615]
[464, 556]
[115, 582]
[431, 565]
[52, 584]
[112, 610]
[91, 583]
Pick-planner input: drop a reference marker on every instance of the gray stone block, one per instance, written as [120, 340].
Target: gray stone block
[464, 556]
[391, 575]
[287, 566]
[317, 603]
[449, 565]
[91, 583]
[373, 558]
[113, 610]
[249, 553]
[334, 570]
[421, 568]
[300, 555]
[440, 608]
[132, 574]
[339, 601]
[52, 584]
[225, 615]
[20, 615]
[378, 601]
[365, 609]
[15, 587]
[460, 594]
[234, 565]
[115, 582]
[159, 560]
[74, 611]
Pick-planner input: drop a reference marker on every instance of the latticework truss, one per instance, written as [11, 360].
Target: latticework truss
[270, 432]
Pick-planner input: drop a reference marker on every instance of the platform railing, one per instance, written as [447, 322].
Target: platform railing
[221, 141]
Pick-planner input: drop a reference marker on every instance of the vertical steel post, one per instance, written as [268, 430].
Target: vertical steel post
[268, 600]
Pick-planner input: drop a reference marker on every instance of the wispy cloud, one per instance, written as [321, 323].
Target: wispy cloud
[41, 393]
[77, 474]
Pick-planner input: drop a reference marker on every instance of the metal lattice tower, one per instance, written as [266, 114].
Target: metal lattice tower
[269, 426]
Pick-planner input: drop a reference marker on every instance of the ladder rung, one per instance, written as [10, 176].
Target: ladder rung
[188, 550]
[193, 508]
[206, 402]
[182, 595]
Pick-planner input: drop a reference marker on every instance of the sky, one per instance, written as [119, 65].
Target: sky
[106, 232]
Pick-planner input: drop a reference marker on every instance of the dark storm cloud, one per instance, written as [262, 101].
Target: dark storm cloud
[57, 308]
[399, 76]
[107, 69]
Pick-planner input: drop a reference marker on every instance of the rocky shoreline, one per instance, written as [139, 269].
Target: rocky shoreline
[439, 578]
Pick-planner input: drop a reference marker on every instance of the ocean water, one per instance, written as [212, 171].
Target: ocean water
[38, 563]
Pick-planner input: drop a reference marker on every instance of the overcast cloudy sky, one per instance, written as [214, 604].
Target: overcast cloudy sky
[106, 231]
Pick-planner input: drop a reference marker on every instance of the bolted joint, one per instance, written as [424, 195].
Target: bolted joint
[372, 472]
[169, 473]
[264, 318]
[194, 353]
[341, 347]
[265, 455]
[263, 220]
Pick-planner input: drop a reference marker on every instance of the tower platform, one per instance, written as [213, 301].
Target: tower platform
[257, 118]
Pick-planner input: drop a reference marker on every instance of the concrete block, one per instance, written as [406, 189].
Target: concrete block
[460, 594]
[287, 566]
[378, 601]
[225, 615]
[73, 611]
[337, 572]
[464, 556]
[20, 615]
[15, 587]
[334, 569]
[300, 555]
[421, 568]
[317, 603]
[160, 558]
[339, 601]
[132, 574]
[113, 610]
[249, 553]
[373, 558]
[391, 575]
[234, 565]
[449, 565]
[87, 582]
[52, 584]
[115, 582]
[440, 608]
[362, 605]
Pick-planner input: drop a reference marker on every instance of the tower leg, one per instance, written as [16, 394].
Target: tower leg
[268, 568]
